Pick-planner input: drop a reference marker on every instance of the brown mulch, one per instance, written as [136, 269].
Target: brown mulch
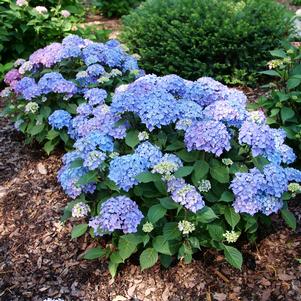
[38, 259]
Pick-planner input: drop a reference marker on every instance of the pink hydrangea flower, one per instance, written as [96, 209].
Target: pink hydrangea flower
[65, 13]
[41, 9]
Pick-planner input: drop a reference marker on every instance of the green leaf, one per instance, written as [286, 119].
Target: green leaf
[188, 156]
[89, 177]
[127, 246]
[161, 245]
[289, 218]
[79, 230]
[131, 139]
[76, 163]
[171, 231]
[113, 268]
[115, 258]
[233, 256]
[270, 72]
[227, 196]
[216, 231]
[148, 258]
[231, 217]
[201, 169]
[166, 260]
[183, 171]
[194, 242]
[205, 215]
[49, 146]
[220, 173]
[279, 53]
[146, 177]
[175, 146]
[155, 213]
[287, 113]
[94, 253]
[168, 203]
[292, 83]
[52, 134]
[37, 129]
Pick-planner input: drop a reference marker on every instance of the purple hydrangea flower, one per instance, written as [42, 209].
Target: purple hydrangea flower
[149, 152]
[209, 136]
[59, 119]
[95, 96]
[94, 159]
[124, 169]
[117, 213]
[28, 88]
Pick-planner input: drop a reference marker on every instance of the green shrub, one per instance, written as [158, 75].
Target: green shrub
[282, 105]
[115, 8]
[226, 39]
[23, 29]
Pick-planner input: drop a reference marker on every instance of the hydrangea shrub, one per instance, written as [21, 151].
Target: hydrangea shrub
[61, 80]
[172, 166]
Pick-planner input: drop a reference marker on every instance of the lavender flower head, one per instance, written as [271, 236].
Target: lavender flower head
[210, 136]
[117, 213]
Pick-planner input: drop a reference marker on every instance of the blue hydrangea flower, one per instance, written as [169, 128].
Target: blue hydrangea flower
[269, 204]
[245, 187]
[225, 112]
[117, 213]
[94, 159]
[276, 180]
[293, 175]
[28, 88]
[94, 140]
[173, 84]
[210, 136]
[258, 137]
[124, 169]
[95, 70]
[59, 119]
[54, 82]
[149, 152]
[205, 91]
[95, 96]
[188, 196]
[167, 165]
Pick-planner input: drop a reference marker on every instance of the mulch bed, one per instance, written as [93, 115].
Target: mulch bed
[39, 260]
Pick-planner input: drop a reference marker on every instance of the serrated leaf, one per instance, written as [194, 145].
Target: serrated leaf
[206, 215]
[175, 146]
[289, 218]
[131, 139]
[89, 177]
[161, 245]
[94, 253]
[183, 171]
[171, 231]
[37, 129]
[49, 146]
[147, 177]
[201, 169]
[148, 258]
[286, 113]
[233, 256]
[227, 196]
[113, 268]
[168, 203]
[79, 230]
[127, 246]
[220, 173]
[231, 217]
[155, 213]
[165, 260]
[293, 83]
[279, 53]
[271, 73]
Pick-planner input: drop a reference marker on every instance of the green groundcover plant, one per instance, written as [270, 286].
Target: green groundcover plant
[227, 39]
[63, 76]
[168, 166]
[25, 28]
[115, 8]
[282, 105]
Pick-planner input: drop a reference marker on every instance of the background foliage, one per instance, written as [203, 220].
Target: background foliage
[115, 8]
[226, 39]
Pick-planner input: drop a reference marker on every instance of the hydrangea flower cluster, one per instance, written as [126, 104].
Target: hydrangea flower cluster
[117, 213]
[64, 80]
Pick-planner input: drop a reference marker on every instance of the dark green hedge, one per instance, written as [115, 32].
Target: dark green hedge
[226, 39]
